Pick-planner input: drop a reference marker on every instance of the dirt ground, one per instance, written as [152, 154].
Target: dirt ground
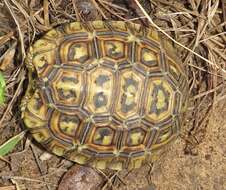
[197, 161]
[204, 170]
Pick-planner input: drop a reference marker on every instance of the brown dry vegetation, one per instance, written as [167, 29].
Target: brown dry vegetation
[198, 27]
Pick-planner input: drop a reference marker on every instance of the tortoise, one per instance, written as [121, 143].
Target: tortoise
[108, 94]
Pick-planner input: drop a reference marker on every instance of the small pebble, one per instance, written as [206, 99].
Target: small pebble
[80, 177]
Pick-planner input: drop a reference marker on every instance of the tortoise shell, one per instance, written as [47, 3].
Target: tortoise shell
[108, 94]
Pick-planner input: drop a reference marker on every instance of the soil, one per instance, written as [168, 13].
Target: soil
[197, 160]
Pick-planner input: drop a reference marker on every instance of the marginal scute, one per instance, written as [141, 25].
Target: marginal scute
[37, 106]
[137, 29]
[99, 26]
[119, 26]
[44, 45]
[54, 34]
[153, 35]
[136, 162]
[77, 157]
[41, 135]
[74, 28]
[164, 136]
[57, 147]
[32, 122]
[109, 94]
[101, 164]
[58, 150]
[116, 166]
[175, 73]
[43, 62]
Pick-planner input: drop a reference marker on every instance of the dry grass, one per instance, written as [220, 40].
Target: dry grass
[198, 28]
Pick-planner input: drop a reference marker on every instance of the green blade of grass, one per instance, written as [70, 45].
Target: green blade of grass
[9, 145]
[2, 88]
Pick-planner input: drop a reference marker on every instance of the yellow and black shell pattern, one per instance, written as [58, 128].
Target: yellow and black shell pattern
[109, 94]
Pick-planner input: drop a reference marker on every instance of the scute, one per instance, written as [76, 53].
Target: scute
[66, 87]
[109, 94]
[76, 52]
[101, 83]
[136, 137]
[160, 100]
[130, 88]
